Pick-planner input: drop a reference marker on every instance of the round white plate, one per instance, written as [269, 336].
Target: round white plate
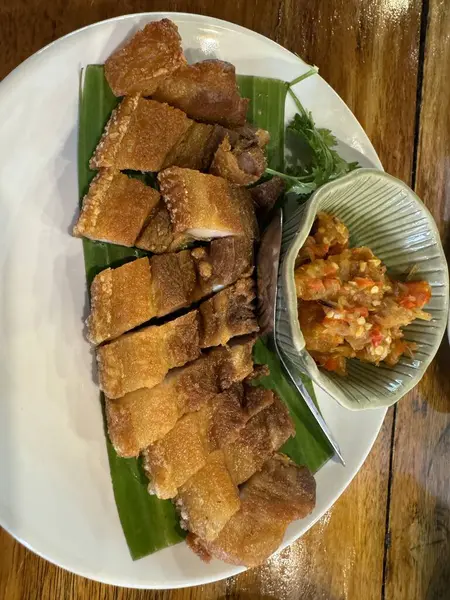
[55, 489]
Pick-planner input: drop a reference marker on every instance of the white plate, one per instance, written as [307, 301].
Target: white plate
[55, 489]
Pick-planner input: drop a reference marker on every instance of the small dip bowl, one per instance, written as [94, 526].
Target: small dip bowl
[383, 213]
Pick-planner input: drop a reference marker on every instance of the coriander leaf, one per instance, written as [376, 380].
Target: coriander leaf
[311, 157]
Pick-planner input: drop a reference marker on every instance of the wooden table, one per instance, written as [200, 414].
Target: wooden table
[389, 534]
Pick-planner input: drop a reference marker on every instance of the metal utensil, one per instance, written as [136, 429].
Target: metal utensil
[267, 293]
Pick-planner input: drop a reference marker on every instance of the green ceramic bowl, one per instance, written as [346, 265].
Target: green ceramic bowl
[384, 214]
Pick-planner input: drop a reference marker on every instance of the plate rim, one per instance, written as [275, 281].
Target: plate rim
[18, 72]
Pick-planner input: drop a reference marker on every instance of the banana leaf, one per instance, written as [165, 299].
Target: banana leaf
[150, 524]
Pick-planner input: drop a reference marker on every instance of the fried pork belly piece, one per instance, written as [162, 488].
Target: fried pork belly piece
[204, 206]
[206, 91]
[262, 436]
[143, 358]
[193, 151]
[143, 417]
[265, 195]
[150, 56]
[228, 313]
[120, 300]
[158, 236]
[115, 208]
[209, 499]
[223, 262]
[139, 135]
[281, 493]
[241, 165]
[170, 462]
[128, 296]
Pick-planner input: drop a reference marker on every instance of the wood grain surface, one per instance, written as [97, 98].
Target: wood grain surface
[418, 565]
[388, 536]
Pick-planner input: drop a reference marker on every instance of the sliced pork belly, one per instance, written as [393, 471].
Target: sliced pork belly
[201, 512]
[183, 451]
[223, 261]
[262, 436]
[204, 206]
[139, 135]
[145, 135]
[140, 418]
[265, 195]
[128, 296]
[193, 151]
[209, 499]
[228, 313]
[206, 91]
[158, 236]
[242, 164]
[143, 358]
[115, 208]
[120, 300]
[150, 56]
[279, 494]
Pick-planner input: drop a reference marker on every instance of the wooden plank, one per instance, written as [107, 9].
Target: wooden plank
[28, 25]
[358, 45]
[26, 576]
[418, 564]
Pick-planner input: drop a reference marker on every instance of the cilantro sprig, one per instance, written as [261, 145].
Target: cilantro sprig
[311, 160]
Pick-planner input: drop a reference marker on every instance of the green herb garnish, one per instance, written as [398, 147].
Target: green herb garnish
[311, 159]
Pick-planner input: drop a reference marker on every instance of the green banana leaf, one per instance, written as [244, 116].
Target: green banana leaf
[150, 524]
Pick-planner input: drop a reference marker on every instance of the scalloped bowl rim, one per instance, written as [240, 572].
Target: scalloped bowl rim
[288, 266]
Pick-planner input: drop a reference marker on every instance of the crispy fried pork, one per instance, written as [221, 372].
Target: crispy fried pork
[139, 135]
[120, 300]
[228, 313]
[193, 151]
[204, 206]
[254, 444]
[202, 148]
[223, 261]
[183, 451]
[261, 437]
[158, 236]
[209, 499]
[144, 416]
[143, 358]
[128, 296]
[150, 56]
[123, 298]
[265, 195]
[115, 208]
[146, 135]
[206, 91]
[279, 494]
[242, 165]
